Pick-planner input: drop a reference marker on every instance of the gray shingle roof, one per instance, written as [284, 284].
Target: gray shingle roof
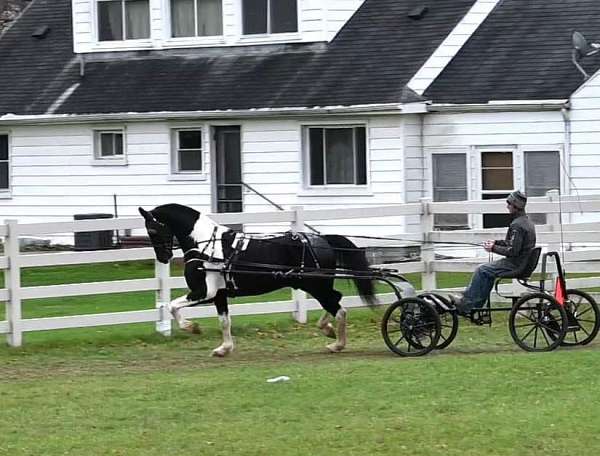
[521, 52]
[34, 72]
[370, 61]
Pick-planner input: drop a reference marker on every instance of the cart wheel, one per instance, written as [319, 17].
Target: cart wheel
[537, 322]
[448, 318]
[411, 327]
[583, 318]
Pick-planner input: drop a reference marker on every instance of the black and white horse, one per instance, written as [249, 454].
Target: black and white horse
[215, 257]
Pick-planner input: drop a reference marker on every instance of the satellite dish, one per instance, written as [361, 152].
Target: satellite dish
[582, 46]
[581, 49]
[580, 43]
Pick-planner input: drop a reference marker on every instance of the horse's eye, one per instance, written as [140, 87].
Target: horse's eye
[152, 231]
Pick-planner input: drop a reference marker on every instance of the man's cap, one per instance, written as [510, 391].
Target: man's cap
[517, 199]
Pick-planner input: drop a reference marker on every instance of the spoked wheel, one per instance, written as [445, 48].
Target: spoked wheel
[537, 322]
[448, 318]
[411, 327]
[583, 318]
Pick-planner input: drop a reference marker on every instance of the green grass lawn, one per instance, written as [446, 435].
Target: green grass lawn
[125, 390]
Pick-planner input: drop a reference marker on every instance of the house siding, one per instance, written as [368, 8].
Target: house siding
[319, 20]
[54, 177]
[470, 133]
[585, 142]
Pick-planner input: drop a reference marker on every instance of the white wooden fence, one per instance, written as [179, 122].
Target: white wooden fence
[13, 260]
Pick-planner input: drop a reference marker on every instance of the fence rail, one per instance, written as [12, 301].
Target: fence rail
[13, 260]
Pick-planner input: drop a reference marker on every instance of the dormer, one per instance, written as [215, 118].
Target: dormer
[119, 25]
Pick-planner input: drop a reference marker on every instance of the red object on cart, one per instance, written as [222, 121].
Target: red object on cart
[560, 292]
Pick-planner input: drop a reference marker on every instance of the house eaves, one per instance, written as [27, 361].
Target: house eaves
[500, 106]
[371, 109]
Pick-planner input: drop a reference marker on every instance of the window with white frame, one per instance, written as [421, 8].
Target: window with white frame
[187, 151]
[449, 183]
[269, 16]
[196, 18]
[542, 173]
[4, 164]
[497, 181]
[108, 145]
[337, 155]
[123, 20]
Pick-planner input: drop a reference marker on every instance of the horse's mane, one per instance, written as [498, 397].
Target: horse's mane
[175, 215]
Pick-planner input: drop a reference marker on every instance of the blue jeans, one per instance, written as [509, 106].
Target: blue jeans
[482, 282]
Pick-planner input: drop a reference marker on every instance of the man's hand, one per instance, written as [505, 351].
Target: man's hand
[488, 246]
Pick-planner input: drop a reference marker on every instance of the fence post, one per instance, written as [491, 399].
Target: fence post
[554, 220]
[163, 297]
[428, 278]
[299, 296]
[13, 284]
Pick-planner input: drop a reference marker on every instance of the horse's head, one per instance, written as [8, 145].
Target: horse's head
[160, 236]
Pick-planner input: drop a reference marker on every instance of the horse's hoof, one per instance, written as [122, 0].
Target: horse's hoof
[192, 328]
[221, 352]
[328, 331]
[335, 348]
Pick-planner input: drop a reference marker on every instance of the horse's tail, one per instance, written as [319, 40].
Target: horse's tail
[349, 256]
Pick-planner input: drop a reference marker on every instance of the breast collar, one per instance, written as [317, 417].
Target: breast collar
[206, 253]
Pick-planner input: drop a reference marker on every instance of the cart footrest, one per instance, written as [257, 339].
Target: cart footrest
[481, 317]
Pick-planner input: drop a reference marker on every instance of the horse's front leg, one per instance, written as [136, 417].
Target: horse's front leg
[175, 306]
[325, 326]
[222, 309]
[341, 340]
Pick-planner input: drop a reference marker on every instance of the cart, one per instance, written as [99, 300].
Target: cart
[538, 320]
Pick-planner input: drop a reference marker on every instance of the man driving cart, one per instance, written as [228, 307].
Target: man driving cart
[516, 248]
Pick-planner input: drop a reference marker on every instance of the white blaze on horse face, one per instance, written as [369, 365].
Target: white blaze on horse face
[202, 233]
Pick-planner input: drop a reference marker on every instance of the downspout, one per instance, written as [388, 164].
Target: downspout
[566, 115]
[422, 153]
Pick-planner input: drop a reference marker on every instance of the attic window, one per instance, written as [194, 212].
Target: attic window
[418, 13]
[196, 18]
[123, 20]
[269, 16]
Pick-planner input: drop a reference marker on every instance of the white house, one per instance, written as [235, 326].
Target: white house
[226, 105]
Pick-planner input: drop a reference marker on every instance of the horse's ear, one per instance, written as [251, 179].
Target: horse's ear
[145, 214]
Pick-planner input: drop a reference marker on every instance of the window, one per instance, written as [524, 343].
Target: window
[108, 145]
[269, 16]
[497, 181]
[187, 156]
[542, 173]
[123, 20]
[4, 165]
[337, 155]
[196, 18]
[450, 184]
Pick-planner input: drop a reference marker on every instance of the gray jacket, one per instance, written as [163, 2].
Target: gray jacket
[520, 240]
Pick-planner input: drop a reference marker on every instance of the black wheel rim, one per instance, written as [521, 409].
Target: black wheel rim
[582, 318]
[537, 323]
[411, 327]
[448, 319]
[448, 328]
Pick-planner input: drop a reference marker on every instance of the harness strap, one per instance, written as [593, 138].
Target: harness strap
[307, 244]
[239, 244]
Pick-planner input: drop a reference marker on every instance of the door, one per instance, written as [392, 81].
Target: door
[497, 181]
[228, 170]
